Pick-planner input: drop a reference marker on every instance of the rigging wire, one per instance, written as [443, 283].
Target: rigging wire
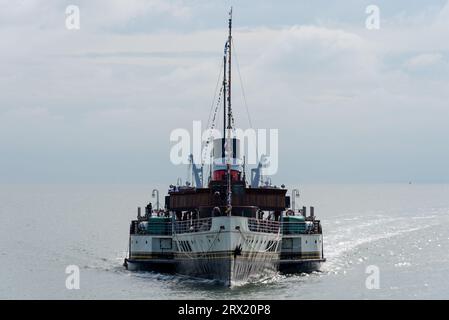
[209, 124]
[212, 126]
[215, 93]
[211, 121]
[241, 85]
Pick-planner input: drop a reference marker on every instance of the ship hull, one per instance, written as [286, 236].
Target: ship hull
[301, 253]
[229, 269]
[161, 265]
[229, 252]
[300, 266]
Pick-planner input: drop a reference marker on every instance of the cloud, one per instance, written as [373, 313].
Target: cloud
[116, 12]
[332, 90]
[424, 60]
[97, 14]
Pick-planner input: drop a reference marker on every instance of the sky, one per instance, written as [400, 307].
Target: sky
[97, 105]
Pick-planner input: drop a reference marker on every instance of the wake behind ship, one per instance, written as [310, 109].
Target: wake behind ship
[232, 230]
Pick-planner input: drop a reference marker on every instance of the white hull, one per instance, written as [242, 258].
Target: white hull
[229, 252]
[232, 250]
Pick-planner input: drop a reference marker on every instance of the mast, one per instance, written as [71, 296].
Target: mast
[229, 69]
[224, 94]
[229, 143]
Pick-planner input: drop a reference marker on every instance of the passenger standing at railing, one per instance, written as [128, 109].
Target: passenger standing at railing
[148, 210]
[277, 214]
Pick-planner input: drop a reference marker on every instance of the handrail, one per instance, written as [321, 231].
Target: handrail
[194, 225]
[306, 227]
[205, 224]
[151, 228]
[267, 226]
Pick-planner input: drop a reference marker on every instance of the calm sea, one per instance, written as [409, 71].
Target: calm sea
[403, 230]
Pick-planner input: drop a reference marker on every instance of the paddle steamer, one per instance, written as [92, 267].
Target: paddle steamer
[232, 230]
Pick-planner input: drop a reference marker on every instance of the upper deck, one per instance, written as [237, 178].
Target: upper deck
[270, 198]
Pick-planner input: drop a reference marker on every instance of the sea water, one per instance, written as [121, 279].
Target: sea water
[401, 231]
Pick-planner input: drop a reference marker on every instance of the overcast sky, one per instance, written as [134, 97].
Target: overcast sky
[97, 105]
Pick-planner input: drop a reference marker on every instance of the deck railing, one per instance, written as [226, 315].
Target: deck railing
[162, 228]
[196, 225]
[267, 226]
[205, 224]
[307, 227]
